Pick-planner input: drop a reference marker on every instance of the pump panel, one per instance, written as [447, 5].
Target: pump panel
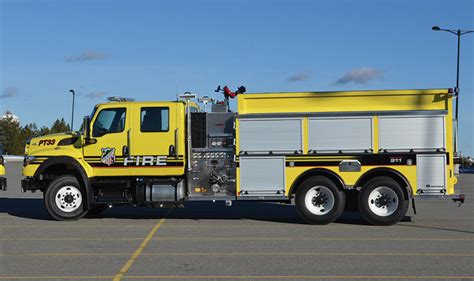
[212, 172]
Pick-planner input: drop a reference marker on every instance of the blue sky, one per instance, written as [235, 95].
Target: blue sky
[150, 50]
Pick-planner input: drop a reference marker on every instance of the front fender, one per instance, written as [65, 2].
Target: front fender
[71, 163]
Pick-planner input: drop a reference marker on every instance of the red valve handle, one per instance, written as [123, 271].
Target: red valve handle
[228, 92]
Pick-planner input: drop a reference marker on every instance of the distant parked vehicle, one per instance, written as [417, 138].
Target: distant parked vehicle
[466, 170]
[3, 180]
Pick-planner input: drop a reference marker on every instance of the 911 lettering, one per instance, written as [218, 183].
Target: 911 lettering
[145, 161]
[396, 160]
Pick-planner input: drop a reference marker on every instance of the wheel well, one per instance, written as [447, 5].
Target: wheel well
[63, 165]
[386, 172]
[56, 170]
[317, 172]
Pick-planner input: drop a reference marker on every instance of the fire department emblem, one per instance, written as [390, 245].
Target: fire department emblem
[108, 156]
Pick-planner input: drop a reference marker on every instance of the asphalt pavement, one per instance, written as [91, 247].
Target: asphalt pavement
[248, 241]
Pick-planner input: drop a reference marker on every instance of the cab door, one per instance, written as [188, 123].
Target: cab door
[109, 131]
[157, 130]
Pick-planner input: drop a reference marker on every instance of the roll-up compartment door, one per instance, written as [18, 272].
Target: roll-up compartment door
[333, 134]
[431, 173]
[270, 134]
[418, 133]
[262, 176]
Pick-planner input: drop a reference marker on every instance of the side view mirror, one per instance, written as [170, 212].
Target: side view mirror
[86, 126]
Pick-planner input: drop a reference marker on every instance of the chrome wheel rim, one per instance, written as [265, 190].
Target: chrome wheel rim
[383, 201]
[68, 199]
[319, 200]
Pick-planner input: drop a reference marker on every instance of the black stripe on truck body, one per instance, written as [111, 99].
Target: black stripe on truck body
[380, 159]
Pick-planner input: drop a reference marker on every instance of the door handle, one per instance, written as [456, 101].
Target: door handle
[129, 132]
[176, 141]
[125, 151]
[172, 150]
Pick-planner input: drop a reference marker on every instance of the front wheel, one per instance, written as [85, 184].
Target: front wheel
[319, 201]
[382, 202]
[64, 199]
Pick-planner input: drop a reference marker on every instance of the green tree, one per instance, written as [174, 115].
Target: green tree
[29, 131]
[13, 137]
[60, 126]
[44, 131]
[10, 129]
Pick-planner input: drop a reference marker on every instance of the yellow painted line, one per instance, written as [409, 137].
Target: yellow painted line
[149, 225]
[138, 251]
[61, 225]
[52, 277]
[70, 238]
[315, 254]
[237, 254]
[292, 226]
[229, 239]
[234, 277]
[299, 277]
[256, 226]
[313, 238]
[73, 226]
[61, 254]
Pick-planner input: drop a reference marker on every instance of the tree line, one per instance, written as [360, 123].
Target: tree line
[13, 136]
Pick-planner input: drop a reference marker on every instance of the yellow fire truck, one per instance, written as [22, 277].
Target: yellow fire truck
[389, 146]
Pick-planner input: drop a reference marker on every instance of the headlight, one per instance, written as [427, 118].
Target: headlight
[28, 159]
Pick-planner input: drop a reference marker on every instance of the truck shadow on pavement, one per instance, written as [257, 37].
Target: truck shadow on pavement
[33, 208]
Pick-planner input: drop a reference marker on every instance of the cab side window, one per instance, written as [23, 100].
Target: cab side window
[110, 120]
[154, 119]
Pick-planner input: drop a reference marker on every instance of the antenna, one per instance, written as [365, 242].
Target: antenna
[177, 95]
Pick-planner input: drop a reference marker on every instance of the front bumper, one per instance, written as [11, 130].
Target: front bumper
[3, 184]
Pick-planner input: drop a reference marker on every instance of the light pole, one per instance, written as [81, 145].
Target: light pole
[458, 33]
[72, 117]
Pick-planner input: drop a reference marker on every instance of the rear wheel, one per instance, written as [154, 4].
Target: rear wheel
[64, 199]
[382, 202]
[319, 201]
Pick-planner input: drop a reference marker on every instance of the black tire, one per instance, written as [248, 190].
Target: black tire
[387, 201]
[73, 199]
[317, 213]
